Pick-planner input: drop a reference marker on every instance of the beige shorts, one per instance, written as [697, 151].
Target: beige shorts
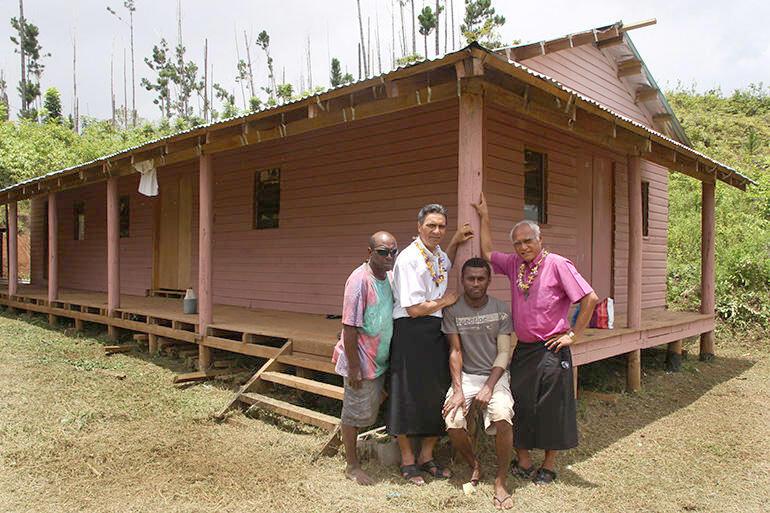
[500, 406]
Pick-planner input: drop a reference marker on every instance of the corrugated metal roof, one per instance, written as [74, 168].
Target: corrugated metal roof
[382, 77]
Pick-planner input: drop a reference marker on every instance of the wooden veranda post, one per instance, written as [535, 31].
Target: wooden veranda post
[53, 254]
[13, 249]
[113, 251]
[634, 370]
[205, 258]
[708, 277]
[470, 162]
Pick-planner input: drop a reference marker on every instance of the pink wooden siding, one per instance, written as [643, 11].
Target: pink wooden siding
[338, 186]
[37, 231]
[586, 70]
[507, 135]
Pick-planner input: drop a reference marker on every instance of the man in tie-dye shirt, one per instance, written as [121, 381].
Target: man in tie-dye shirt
[362, 353]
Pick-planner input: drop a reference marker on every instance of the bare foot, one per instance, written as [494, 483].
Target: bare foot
[358, 475]
[476, 475]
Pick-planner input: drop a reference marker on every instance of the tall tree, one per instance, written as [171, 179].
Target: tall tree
[439, 8]
[335, 74]
[75, 105]
[130, 5]
[52, 106]
[263, 41]
[481, 23]
[427, 23]
[241, 67]
[363, 43]
[164, 71]
[32, 66]
[401, 4]
[229, 110]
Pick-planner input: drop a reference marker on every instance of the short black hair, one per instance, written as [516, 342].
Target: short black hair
[476, 262]
[433, 208]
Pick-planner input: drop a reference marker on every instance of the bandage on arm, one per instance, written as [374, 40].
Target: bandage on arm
[504, 350]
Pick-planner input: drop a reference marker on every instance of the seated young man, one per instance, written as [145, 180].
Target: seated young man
[478, 328]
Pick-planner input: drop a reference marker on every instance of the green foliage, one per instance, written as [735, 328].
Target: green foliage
[481, 23]
[255, 104]
[29, 90]
[52, 106]
[29, 149]
[335, 74]
[284, 92]
[409, 59]
[428, 20]
[163, 68]
[734, 130]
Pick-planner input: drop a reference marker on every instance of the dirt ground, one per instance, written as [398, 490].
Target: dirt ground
[73, 439]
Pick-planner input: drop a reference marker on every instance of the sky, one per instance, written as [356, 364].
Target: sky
[704, 43]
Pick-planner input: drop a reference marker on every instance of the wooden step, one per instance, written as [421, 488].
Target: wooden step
[308, 385]
[308, 362]
[292, 411]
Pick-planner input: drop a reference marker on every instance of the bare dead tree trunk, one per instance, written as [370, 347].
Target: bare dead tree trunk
[369, 68]
[377, 37]
[446, 29]
[112, 87]
[452, 11]
[392, 35]
[24, 105]
[133, 71]
[438, 25]
[206, 80]
[125, 92]
[238, 57]
[248, 60]
[403, 29]
[309, 68]
[363, 43]
[359, 61]
[414, 33]
[74, 82]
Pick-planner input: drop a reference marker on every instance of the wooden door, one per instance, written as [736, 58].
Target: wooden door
[174, 235]
[602, 227]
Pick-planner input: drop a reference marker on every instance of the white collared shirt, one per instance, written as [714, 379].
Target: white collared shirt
[412, 280]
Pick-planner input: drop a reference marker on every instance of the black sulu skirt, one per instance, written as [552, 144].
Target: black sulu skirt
[419, 377]
[544, 401]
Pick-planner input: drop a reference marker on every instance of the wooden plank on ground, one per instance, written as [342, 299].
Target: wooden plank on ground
[332, 445]
[308, 385]
[118, 349]
[270, 364]
[292, 411]
[118, 375]
[204, 375]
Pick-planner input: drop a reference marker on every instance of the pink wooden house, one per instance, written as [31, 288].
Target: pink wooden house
[265, 215]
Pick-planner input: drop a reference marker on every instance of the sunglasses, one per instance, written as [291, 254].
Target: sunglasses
[385, 252]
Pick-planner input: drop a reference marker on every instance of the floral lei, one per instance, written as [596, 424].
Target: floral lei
[441, 276]
[524, 287]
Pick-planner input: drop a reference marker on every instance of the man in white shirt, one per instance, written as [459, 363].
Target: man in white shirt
[419, 353]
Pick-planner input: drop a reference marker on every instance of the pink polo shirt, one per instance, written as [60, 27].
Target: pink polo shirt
[544, 312]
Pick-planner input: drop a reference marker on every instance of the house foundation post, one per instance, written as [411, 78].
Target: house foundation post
[470, 167]
[113, 253]
[13, 250]
[634, 363]
[674, 356]
[53, 255]
[205, 259]
[708, 266]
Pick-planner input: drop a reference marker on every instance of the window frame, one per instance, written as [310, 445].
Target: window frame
[79, 209]
[542, 217]
[262, 179]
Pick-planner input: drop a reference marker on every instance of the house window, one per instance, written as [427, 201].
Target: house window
[535, 186]
[79, 210]
[267, 198]
[125, 217]
[645, 208]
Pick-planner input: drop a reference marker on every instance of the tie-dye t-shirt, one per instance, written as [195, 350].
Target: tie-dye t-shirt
[368, 305]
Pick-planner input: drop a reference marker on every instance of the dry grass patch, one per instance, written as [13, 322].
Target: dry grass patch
[72, 439]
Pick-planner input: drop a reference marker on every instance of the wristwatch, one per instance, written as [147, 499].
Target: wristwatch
[571, 335]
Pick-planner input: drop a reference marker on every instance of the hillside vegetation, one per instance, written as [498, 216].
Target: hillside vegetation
[732, 129]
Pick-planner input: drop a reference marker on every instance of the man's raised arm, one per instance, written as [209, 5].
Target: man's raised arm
[486, 229]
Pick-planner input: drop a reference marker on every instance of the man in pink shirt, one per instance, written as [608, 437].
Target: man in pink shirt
[543, 286]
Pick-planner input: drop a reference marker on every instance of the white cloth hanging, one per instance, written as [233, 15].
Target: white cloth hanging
[148, 184]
